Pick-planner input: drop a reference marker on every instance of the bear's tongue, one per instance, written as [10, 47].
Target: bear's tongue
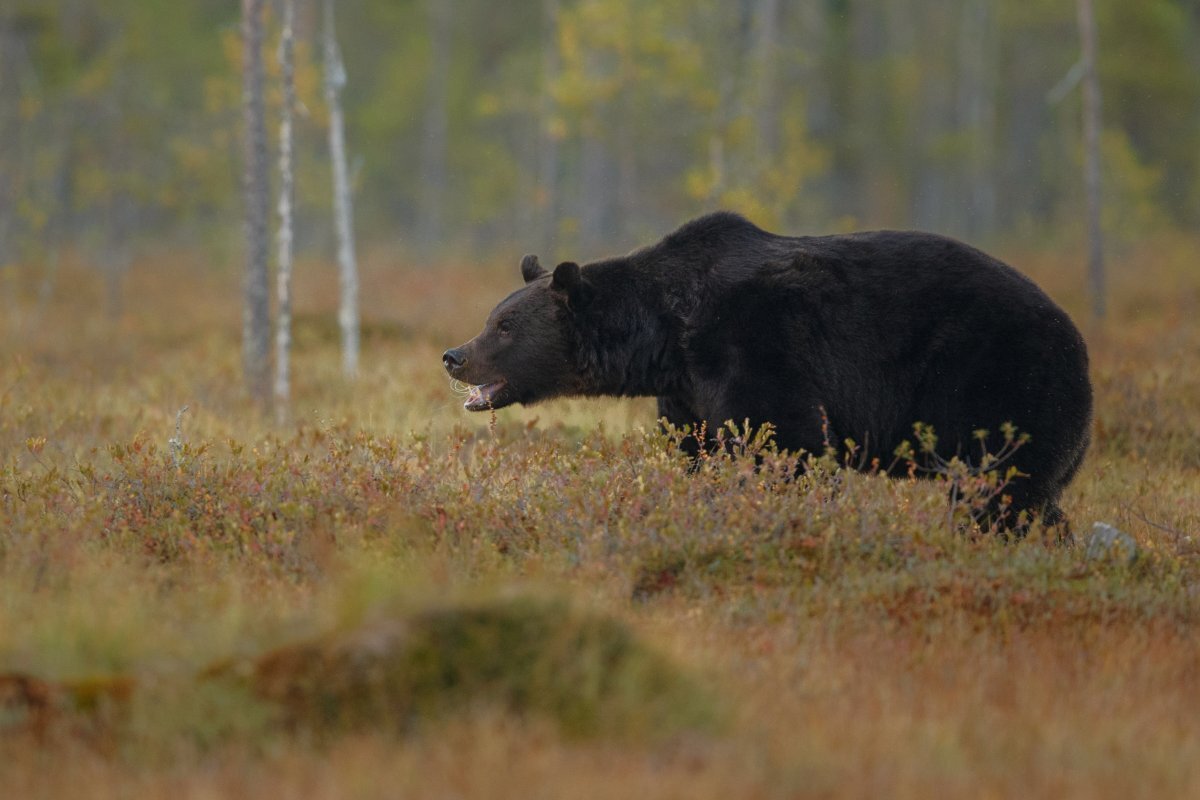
[480, 398]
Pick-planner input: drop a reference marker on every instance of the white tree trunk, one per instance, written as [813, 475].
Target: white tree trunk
[1091, 156]
[343, 209]
[256, 309]
[283, 277]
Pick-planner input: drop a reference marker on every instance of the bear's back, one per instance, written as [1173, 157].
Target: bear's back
[723, 249]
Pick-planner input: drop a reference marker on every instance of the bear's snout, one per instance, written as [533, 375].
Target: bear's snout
[454, 360]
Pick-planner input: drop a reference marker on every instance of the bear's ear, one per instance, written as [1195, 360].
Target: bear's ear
[569, 281]
[531, 270]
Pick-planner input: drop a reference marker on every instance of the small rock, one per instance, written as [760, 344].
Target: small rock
[1107, 543]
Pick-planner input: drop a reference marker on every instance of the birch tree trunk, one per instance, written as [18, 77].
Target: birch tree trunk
[436, 127]
[256, 313]
[343, 211]
[1091, 156]
[283, 276]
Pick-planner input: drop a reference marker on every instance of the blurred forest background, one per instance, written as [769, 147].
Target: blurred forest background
[587, 126]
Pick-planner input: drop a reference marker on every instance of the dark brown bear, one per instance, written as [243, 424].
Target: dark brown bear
[827, 338]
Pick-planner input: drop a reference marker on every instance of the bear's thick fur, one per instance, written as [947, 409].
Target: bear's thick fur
[830, 337]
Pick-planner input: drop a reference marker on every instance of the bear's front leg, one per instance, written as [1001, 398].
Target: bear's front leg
[800, 424]
[678, 414]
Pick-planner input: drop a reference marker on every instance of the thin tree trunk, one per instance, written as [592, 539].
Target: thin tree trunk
[625, 200]
[597, 186]
[1091, 156]
[873, 201]
[256, 314]
[977, 109]
[61, 220]
[766, 111]
[737, 92]
[836, 91]
[548, 152]
[283, 330]
[116, 252]
[437, 127]
[343, 211]
[10, 101]
[1021, 201]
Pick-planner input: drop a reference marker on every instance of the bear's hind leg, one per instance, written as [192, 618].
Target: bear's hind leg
[679, 416]
[1026, 505]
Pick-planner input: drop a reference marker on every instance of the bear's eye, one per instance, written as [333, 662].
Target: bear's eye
[504, 327]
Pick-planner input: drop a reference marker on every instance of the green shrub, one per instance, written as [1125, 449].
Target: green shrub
[587, 673]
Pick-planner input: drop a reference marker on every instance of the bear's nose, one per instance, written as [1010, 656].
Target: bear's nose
[454, 359]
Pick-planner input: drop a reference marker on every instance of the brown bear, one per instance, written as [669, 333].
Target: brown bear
[827, 337]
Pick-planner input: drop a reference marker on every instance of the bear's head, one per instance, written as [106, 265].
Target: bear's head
[526, 351]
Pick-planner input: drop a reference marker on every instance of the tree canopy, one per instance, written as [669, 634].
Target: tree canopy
[591, 125]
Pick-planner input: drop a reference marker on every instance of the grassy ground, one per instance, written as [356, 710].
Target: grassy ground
[194, 621]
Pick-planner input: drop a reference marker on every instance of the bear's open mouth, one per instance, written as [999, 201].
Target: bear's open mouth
[483, 397]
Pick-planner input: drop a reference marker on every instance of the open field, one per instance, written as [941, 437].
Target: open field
[832, 636]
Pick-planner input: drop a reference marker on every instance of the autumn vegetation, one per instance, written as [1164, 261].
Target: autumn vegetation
[389, 595]
[372, 593]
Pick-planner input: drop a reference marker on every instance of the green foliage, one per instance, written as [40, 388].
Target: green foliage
[1148, 70]
[125, 119]
[588, 674]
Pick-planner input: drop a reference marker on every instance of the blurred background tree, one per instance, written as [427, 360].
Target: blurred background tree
[256, 298]
[583, 127]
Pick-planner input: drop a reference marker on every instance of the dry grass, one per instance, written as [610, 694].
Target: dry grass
[845, 638]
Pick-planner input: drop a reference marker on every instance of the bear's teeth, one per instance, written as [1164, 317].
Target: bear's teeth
[481, 396]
